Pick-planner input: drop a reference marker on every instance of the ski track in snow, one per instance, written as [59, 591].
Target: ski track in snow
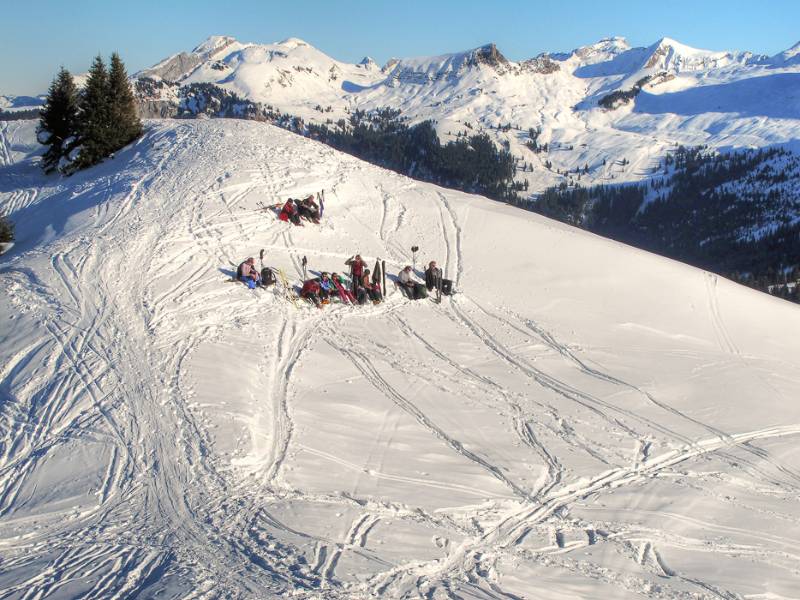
[182, 403]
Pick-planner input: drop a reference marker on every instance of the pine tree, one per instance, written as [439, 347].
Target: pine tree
[94, 123]
[58, 120]
[126, 125]
[6, 230]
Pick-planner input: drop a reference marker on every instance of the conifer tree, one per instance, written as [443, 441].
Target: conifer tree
[126, 125]
[6, 230]
[58, 120]
[94, 122]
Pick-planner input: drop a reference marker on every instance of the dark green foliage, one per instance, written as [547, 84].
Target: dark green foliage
[20, 115]
[96, 122]
[471, 163]
[95, 128]
[6, 230]
[58, 120]
[735, 214]
[214, 101]
[615, 99]
[122, 107]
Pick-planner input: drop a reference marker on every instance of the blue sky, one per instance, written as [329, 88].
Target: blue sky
[37, 37]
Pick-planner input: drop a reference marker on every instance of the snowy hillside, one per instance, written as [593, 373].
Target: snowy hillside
[689, 96]
[20, 103]
[582, 420]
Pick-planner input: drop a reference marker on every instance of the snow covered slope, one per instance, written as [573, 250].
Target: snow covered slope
[691, 97]
[582, 420]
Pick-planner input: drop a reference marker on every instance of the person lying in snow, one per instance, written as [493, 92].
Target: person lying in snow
[248, 274]
[308, 209]
[289, 213]
[311, 292]
[411, 289]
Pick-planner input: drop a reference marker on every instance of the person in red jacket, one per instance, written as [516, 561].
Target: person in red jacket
[289, 213]
[310, 291]
[357, 266]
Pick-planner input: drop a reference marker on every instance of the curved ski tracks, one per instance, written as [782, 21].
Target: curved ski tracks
[196, 519]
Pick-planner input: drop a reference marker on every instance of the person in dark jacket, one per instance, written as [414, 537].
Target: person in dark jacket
[433, 275]
[308, 209]
[367, 289]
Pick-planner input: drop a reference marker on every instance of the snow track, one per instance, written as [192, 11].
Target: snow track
[164, 432]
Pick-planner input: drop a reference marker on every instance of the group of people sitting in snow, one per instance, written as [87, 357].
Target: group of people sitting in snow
[295, 210]
[363, 286]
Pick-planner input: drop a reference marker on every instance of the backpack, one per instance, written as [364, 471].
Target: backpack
[447, 287]
[267, 276]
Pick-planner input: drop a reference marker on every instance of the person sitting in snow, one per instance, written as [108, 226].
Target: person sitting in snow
[308, 209]
[289, 213]
[411, 289]
[368, 289]
[311, 292]
[326, 288]
[248, 274]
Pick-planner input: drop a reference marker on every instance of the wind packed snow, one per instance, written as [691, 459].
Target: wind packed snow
[582, 420]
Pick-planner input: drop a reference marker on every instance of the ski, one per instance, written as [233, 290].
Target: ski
[344, 295]
[288, 292]
[383, 276]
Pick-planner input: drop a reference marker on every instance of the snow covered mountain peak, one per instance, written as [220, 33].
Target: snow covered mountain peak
[448, 66]
[670, 55]
[214, 43]
[602, 50]
[294, 42]
[788, 57]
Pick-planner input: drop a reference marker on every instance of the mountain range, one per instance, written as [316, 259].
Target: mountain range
[686, 96]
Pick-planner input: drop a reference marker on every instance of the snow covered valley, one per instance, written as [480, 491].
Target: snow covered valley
[582, 420]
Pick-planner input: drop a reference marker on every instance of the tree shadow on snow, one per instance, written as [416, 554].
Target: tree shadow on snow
[77, 199]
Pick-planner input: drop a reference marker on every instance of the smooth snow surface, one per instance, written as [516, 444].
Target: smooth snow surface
[584, 420]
